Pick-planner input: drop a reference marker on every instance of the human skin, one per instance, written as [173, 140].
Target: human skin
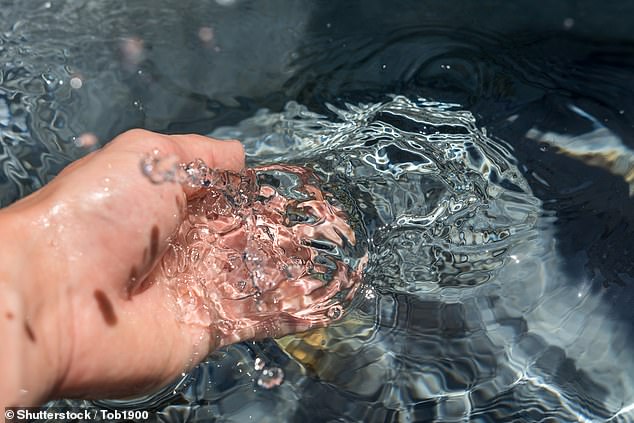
[77, 315]
[254, 259]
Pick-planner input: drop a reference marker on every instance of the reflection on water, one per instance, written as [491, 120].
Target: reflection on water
[472, 313]
[500, 280]
[465, 312]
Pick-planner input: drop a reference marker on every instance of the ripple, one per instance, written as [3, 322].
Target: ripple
[451, 347]
[260, 251]
[472, 314]
[472, 304]
[442, 202]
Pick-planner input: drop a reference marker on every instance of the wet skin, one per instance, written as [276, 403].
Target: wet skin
[253, 259]
[80, 316]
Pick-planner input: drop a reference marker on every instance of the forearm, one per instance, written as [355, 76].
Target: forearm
[29, 359]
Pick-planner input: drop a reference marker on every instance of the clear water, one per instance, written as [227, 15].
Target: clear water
[262, 252]
[498, 210]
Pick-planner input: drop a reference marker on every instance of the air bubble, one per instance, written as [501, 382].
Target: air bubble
[76, 82]
[271, 378]
[369, 293]
[335, 312]
[194, 255]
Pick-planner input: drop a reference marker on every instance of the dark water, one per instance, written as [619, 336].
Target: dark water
[552, 84]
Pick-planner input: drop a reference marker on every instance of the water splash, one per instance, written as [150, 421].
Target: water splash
[161, 169]
[443, 203]
[465, 311]
[264, 251]
[463, 267]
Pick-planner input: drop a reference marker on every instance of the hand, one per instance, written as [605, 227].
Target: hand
[262, 253]
[120, 284]
[81, 249]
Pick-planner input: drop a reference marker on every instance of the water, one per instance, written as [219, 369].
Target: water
[525, 318]
[262, 252]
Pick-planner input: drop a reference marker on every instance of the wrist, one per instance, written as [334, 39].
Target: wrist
[29, 312]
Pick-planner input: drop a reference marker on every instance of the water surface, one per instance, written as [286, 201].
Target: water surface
[534, 323]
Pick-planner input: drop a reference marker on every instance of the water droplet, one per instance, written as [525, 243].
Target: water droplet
[206, 34]
[86, 140]
[271, 377]
[197, 174]
[160, 169]
[369, 294]
[335, 312]
[50, 80]
[569, 23]
[76, 82]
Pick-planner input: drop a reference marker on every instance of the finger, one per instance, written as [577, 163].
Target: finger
[218, 154]
[162, 215]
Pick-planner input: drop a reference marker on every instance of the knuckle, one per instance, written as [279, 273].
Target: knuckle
[143, 139]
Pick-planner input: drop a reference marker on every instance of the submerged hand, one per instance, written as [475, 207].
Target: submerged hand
[262, 253]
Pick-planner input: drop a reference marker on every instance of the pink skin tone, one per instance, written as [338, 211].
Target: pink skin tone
[85, 308]
[271, 290]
